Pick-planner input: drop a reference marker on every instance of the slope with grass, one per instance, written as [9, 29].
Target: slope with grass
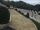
[19, 22]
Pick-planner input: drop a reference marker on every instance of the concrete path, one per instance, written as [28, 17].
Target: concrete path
[19, 22]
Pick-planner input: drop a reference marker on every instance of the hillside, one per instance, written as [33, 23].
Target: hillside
[19, 22]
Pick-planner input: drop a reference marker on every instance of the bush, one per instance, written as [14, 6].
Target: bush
[4, 15]
[27, 15]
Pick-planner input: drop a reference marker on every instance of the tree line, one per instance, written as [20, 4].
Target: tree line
[23, 5]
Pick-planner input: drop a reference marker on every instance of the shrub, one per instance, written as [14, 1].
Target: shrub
[4, 15]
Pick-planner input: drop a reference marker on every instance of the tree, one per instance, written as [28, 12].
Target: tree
[37, 7]
[4, 15]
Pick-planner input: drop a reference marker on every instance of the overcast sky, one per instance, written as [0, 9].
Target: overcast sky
[33, 2]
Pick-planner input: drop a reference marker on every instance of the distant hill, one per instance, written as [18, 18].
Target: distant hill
[21, 4]
[37, 7]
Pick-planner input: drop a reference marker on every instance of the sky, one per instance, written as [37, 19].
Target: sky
[33, 2]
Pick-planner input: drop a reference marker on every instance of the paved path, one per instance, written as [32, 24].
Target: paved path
[19, 22]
